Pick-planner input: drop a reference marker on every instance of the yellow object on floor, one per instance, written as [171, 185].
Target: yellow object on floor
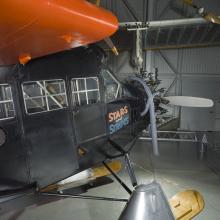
[186, 205]
[85, 176]
[103, 171]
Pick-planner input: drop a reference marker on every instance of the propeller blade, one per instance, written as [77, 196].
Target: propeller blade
[109, 42]
[210, 17]
[188, 101]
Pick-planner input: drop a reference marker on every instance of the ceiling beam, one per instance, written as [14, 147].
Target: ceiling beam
[165, 23]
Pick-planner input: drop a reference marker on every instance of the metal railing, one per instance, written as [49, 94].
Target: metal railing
[173, 136]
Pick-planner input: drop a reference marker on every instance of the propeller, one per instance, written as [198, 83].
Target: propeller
[109, 42]
[151, 79]
[210, 17]
[188, 101]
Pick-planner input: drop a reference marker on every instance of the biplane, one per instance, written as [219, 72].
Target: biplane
[62, 111]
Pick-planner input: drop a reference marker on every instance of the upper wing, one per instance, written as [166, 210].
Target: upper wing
[30, 29]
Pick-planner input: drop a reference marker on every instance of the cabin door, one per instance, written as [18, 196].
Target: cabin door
[12, 152]
[89, 113]
[48, 131]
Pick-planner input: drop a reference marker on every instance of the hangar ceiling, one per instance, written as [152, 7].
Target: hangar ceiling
[164, 24]
[148, 10]
[183, 36]
[170, 37]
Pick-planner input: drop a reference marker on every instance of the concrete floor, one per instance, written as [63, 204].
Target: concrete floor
[177, 169]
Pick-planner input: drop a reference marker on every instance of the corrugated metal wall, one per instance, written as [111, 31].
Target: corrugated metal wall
[203, 61]
[198, 69]
[200, 76]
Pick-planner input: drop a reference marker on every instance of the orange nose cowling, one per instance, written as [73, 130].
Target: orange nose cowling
[43, 27]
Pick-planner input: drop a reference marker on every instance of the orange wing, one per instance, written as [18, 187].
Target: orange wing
[34, 28]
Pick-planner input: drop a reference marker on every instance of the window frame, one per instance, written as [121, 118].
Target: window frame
[46, 95]
[116, 81]
[73, 92]
[8, 101]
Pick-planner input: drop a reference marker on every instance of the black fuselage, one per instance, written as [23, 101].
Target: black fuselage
[52, 135]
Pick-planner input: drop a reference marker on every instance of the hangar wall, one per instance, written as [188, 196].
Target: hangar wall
[197, 70]
[199, 75]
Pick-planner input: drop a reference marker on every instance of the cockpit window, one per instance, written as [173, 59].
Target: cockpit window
[6, 102]
[45, 95]
[112, 86]
[85, 91]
